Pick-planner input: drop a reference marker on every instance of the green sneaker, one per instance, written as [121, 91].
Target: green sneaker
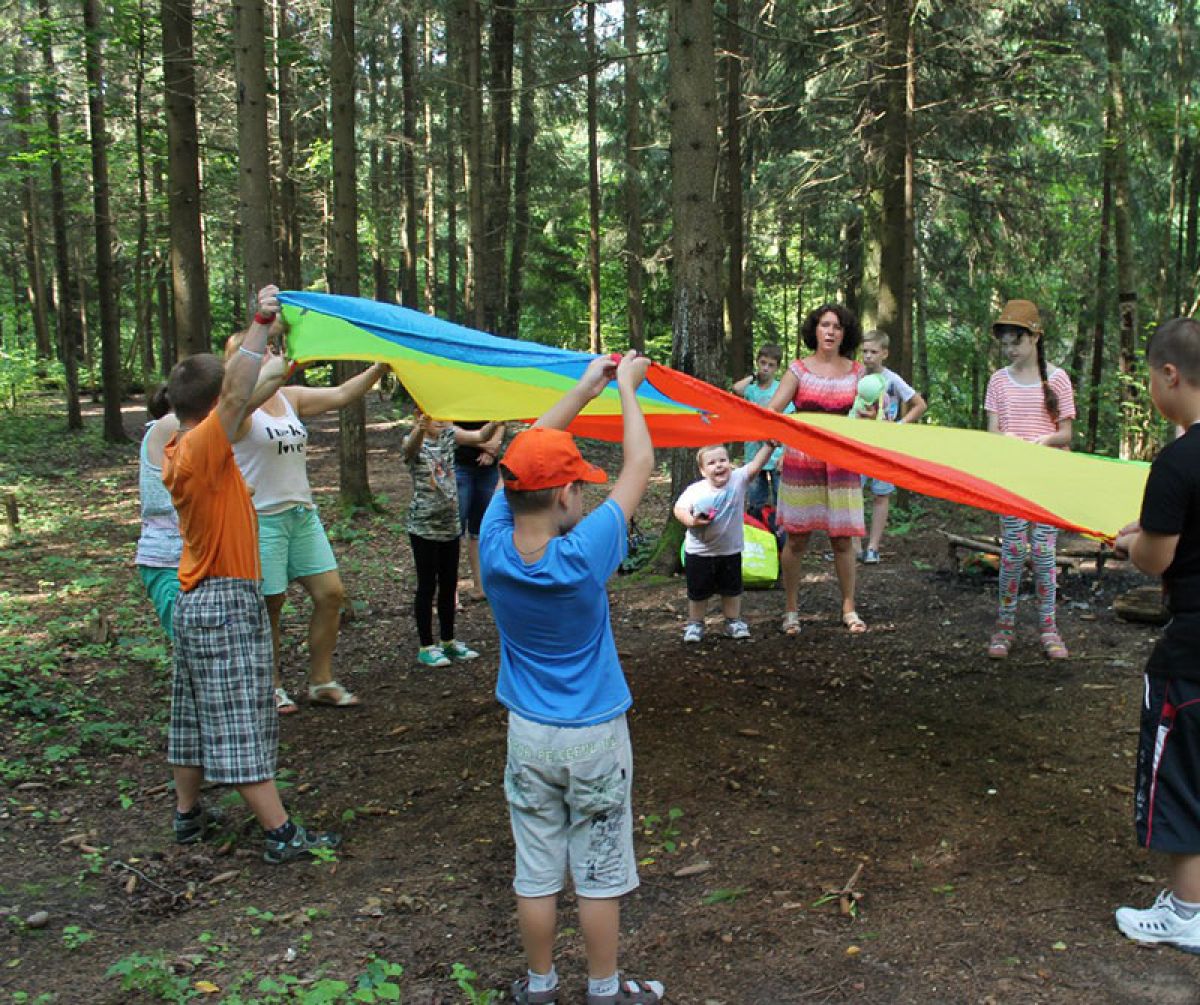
[303, 842]
[432, 656]
[458, 652]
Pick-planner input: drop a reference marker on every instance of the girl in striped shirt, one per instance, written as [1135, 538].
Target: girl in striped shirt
[1033, 401]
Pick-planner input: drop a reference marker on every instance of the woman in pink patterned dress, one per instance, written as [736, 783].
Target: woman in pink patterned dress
[814, 495]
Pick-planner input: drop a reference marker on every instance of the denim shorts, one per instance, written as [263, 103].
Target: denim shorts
[878, 486]
[292, 544]
[568, 794]
[476, 486]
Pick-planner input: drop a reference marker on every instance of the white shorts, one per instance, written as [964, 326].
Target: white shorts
[568, 794]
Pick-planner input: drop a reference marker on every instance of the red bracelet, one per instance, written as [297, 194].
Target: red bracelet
[263, 319]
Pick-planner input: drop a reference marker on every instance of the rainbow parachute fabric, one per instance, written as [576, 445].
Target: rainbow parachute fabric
[460, 374]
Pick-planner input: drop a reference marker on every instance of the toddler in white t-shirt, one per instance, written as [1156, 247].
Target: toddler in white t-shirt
[712, 510]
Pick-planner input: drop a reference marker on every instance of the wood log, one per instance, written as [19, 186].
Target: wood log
[1143, 605]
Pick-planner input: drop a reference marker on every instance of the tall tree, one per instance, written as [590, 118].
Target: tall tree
[634, 268]
[1122, 226]
[189, 285]
[408, 160]
[698, 346]
[110, 325]
[430, 175]
[740, 350]
[254, 176]
[526, 130]
[289, 221]
[31, 225]
[499, 174]
[593, 245]
[70, 324]
[354, 486]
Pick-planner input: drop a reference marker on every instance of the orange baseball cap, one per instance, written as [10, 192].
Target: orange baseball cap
[543, 458]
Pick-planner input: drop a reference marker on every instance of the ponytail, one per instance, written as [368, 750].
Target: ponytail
[158, 404]
[1048, 394]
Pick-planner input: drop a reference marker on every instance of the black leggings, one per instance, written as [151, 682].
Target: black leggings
[437, 572]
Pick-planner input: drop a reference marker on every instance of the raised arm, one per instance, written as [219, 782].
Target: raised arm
[594, 380]
[755, 464]
[310, 401]
[416, 436]
[241, 369]
[475, 437]
[638, 461]
[739, 387]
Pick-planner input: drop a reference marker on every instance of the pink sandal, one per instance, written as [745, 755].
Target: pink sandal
[1000, 643]
[1053, 646]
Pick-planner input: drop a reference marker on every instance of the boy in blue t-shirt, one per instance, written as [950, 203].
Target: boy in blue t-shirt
[896, 392]
[759, 388]
[570, 766]
[1166, 542]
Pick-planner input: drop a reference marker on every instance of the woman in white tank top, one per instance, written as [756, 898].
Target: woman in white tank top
[271, 451]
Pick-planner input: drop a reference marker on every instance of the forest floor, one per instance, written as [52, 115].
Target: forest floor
[981, 810]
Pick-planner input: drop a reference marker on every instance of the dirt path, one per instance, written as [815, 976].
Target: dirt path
[982, 809]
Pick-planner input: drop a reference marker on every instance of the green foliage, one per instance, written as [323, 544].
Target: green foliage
[663, 832]
[465, 978]
[724, 896]
[23, 375]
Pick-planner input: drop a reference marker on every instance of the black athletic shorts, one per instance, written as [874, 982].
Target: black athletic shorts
[709, 574]
[1166, 803]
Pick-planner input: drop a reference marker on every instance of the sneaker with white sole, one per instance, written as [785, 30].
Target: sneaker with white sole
[693, 631]
[458, 652]
[303, 843]
[432, 656]
[870, 557]
[1160, 924]
[737, 629]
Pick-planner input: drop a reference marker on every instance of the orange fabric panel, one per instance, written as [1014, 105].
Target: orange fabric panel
[216, 515]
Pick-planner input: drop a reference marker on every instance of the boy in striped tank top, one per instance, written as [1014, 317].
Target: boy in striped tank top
[1033, 401]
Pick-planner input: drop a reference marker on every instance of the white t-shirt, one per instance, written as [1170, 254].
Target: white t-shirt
[724, 536]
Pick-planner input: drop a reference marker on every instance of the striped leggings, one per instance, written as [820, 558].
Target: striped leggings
[1020, 538]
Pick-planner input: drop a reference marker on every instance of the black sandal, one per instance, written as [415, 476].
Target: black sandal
[521, 995]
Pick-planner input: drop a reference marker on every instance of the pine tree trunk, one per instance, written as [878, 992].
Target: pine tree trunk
[1126, 281]
[254, 173]
[31, 224]
[498, 179]
[431, 284]
[740, 349]
[893, 246]
[698, 345]
[352, 441]
[70, 326]
[526, 129]
[593, 253]
[408, 161]
[289, 222]
[110, 323]
[192, 317]
[1101, 304]
[468, 25]
[379, 169]
[634, 271]
[142, 280]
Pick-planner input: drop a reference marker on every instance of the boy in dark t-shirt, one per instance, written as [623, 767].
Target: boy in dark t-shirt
[1166, 542]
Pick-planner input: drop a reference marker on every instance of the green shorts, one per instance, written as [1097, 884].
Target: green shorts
[292, 544]
[162, 585]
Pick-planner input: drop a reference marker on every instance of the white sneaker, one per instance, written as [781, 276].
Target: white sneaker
[693, 631]
[1160, 924]
[737, 629]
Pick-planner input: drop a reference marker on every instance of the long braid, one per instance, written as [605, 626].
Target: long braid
[1048, 394]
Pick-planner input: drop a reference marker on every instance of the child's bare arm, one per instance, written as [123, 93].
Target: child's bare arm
[310, 401]
[740, 386]
[638, 462]
[241, 370]
[1152, 553]
[755, 464]
[416, 436]
[916, 408]
[595, 379]
[475, 437]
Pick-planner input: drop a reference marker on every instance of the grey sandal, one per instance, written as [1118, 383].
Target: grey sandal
[629, 992]
[521, 995]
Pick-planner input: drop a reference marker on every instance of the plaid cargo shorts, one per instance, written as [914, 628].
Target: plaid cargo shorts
[223, 715]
